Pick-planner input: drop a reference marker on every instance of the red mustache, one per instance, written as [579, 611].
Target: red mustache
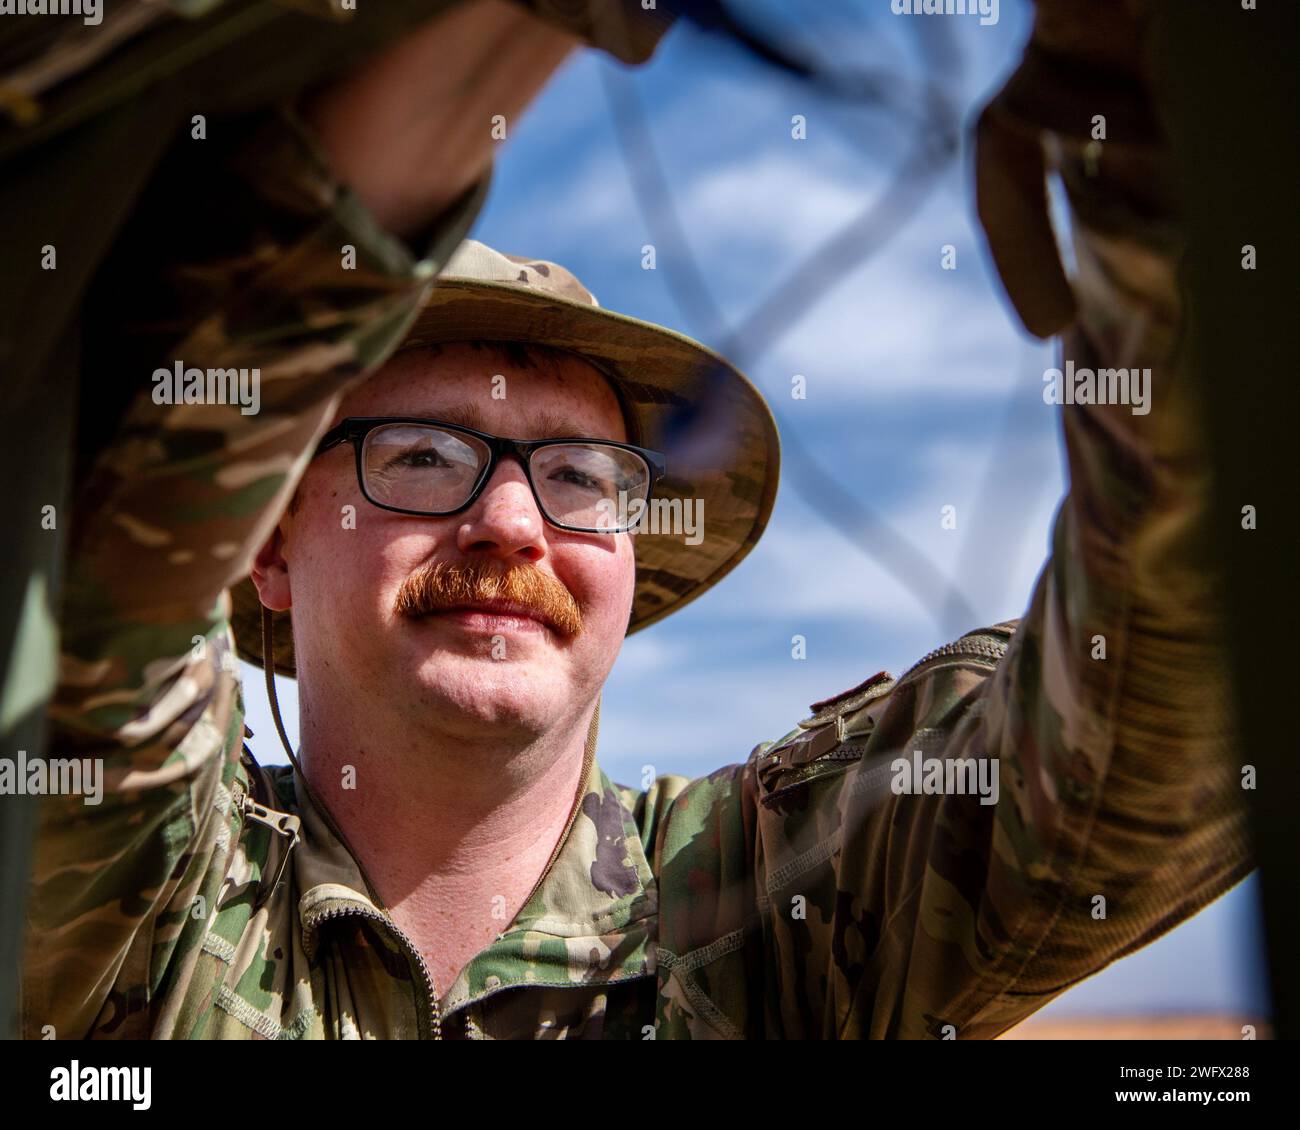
[446, 585]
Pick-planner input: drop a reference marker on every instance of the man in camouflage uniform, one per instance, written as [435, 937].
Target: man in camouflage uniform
[796, 895]
[142, 115]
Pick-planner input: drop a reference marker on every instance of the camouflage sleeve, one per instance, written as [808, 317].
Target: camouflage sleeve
[871, 883]
[264, 266]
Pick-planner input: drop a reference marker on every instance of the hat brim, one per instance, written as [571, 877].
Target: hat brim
[713, 427]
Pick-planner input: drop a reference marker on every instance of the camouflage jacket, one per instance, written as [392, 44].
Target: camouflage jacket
[796, 894]
[87, 113]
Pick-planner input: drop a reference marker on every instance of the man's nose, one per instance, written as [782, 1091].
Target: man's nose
[504, 520]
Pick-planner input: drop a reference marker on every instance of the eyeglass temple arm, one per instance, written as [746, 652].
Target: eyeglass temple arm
[331, 439]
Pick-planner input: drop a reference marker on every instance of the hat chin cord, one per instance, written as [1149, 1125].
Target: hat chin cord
[268, 669]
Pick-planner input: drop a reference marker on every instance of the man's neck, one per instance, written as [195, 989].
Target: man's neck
[453, 838]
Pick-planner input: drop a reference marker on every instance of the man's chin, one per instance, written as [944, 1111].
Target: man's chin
[472, 699]
[489, 677]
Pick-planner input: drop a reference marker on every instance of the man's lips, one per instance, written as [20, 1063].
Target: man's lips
[496, 609]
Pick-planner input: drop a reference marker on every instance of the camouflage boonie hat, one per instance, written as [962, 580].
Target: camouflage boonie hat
[713, 427]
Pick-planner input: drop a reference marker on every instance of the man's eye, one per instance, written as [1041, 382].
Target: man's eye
[418, 457]
[574, 477]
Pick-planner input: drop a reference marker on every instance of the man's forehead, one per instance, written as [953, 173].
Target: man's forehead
[471, 388]
[539, 423]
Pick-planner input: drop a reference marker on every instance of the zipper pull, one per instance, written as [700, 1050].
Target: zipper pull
[282, 823]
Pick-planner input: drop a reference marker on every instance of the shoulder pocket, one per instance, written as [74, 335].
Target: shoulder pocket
[824, 744]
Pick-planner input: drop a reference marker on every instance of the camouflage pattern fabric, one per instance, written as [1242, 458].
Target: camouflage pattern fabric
[792, 895]
[67, 68]
[90, 108]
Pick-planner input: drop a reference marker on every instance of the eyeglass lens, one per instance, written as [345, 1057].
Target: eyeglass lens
[433, 470]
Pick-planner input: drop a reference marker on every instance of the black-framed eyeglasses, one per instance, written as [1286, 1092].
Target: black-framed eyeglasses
[415, 465]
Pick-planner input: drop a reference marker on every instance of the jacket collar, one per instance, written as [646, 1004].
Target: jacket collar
[592, 919]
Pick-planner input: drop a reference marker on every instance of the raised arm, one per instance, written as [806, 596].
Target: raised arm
[1102, 802]
[248, 255]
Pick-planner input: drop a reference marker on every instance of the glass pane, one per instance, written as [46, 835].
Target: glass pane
[418, 467]
[590, 484]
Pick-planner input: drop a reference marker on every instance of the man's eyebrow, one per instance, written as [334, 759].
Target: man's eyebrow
[545, 425]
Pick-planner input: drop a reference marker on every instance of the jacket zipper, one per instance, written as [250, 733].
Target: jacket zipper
[430, 990]
[281, 823]
[972, 649]
[290, 826]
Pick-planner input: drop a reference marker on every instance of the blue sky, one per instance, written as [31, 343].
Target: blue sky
[922, 392]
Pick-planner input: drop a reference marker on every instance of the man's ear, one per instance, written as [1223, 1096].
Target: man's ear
[270, 573]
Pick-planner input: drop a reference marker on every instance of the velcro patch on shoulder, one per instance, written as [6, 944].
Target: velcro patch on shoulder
[848, 700]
